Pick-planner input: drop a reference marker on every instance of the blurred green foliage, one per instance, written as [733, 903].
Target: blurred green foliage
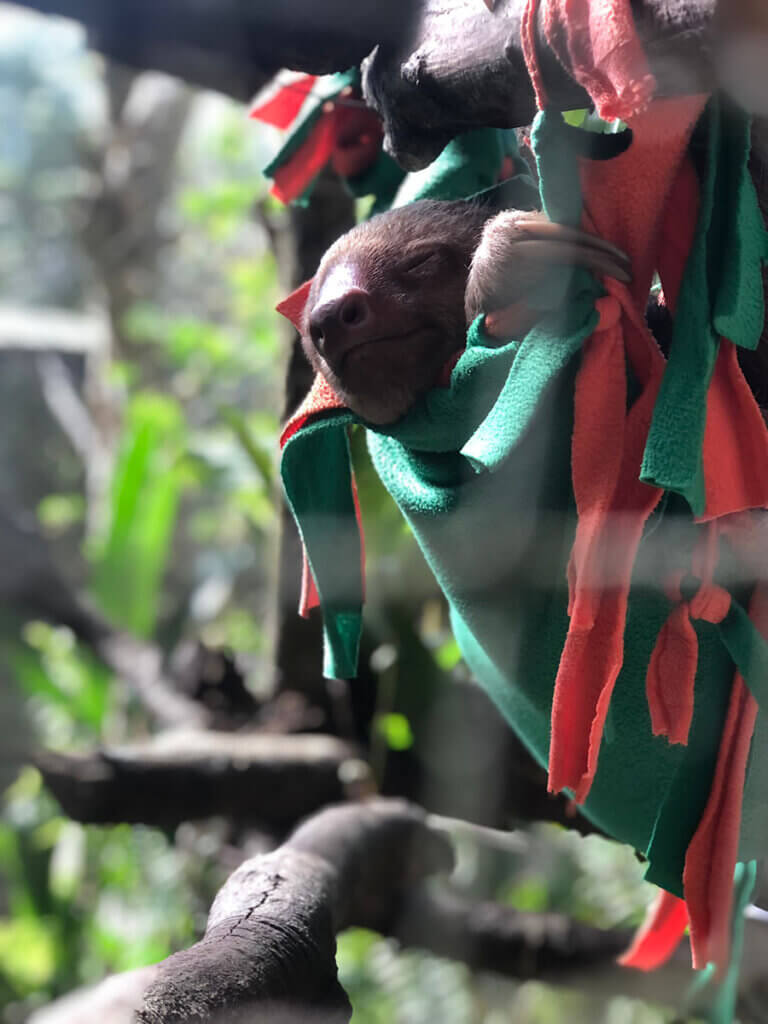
[390, 987]
[129, 560]
[86, 901]
[69, 686]
[192, 483]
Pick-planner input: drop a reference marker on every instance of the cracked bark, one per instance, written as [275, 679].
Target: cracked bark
[269, 946]
[268, 951]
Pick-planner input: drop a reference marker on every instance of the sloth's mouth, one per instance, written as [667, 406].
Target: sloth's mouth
[405, 346]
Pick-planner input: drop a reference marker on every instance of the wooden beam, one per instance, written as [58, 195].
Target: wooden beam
[464, 68]
[234, 46]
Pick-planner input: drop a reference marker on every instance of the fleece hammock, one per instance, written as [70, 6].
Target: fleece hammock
[590, 588]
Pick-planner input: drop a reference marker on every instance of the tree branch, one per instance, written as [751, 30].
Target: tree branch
[464, 68]
[268, 950]
[272, 780]
[271, 932]
[235, 47]
[486, 778]
[440, 66]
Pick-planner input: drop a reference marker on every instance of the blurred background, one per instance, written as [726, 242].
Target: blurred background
[144, 584]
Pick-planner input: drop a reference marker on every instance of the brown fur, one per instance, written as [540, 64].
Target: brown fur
[417, 312]
[409, 281]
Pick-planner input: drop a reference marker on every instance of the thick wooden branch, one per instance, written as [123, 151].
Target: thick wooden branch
[476, 770]
[262, 778]
[464, 68]
[439, 68]
[268, 953]
[269, 946]
[234, 47]
[270, 935]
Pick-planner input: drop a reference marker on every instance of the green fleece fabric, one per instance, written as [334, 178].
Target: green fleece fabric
[498, 541]
[315, 463]
[481, 471]
[469, 163]
[721, 294]
[318, 486]
[753, 839]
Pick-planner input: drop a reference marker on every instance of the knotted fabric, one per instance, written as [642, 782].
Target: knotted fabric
[672, 668]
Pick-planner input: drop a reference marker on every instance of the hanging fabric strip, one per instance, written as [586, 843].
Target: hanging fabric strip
[280, 107]
[659, 935]
[596, 41]
[672, 667]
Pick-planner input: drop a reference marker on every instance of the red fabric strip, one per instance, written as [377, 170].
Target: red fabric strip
[612, 515]
[281, 108]
[597, 451]
[735, 450]
[528, 40]
[319, 399]
[293, 305]
[669, 681]
[671, 675]
[606, 55]
[659, 935]
[309, 598]
[710, 860]
[597, 43]
[608, 442]
[292, 179]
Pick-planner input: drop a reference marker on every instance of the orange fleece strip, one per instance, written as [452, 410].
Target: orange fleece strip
[281, 108]
[596, 41]
[659, 935]
[672, 668]
[608, 442]
[305, 164]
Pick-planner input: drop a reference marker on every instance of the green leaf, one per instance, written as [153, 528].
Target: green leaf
[51, 667]
[129, 562]
[530, 894]
[262, 458]
[575, 118]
